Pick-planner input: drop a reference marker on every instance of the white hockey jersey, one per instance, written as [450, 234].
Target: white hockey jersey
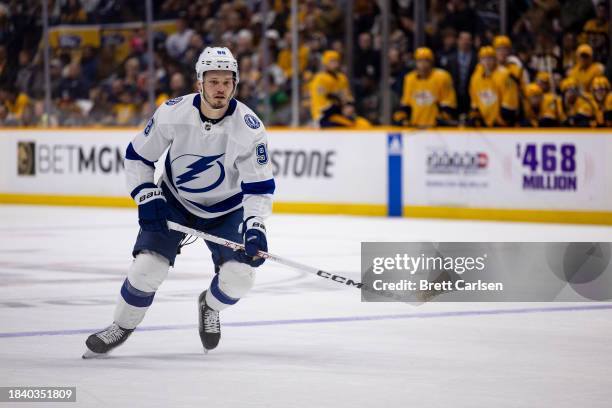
[212, 167]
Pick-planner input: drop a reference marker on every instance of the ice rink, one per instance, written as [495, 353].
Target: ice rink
[296, 340]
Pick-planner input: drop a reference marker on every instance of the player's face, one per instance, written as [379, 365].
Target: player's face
[488, 63]
[348, 110]
[333, 65]
[423, 66]
[585, 59]
[544, 85]
[502, 54]
[600, 94]
[535, 100]
[218, 87]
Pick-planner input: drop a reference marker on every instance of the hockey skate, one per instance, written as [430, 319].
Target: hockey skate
[100, 344]
[209, 324]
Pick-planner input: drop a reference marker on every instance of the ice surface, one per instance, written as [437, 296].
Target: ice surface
[296, 340]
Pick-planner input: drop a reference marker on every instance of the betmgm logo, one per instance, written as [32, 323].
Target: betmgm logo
[26, 158]
[43, 158]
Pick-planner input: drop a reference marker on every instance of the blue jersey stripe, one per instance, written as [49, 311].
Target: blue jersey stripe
[259, 187]
[168, 166]
[130, 154]
[221, 206]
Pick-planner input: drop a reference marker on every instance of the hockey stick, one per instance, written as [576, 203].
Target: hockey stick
[266, 255]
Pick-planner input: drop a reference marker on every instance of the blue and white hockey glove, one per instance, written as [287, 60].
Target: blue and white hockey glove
[152, 209]
[254, 232]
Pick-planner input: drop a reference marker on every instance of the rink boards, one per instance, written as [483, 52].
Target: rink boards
[561, 175]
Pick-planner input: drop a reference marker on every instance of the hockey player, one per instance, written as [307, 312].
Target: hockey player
[428, 97]
[348, 118]
[217, 178]
[503, 52]
[541, 109]
[493, 93]
[603, 101]
[578, 107]
[329, 91]
[544, 81]
[585, 69]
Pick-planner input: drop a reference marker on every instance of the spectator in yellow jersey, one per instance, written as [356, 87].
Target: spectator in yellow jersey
[329, 91]
[15, 101]
[125, 110]
[585, 69]
[177, 87]
[283, 60]
[494, 95]
[428, 97]
[579, 108]
[540, 109]
[595, 31]
[603, 101]
[599, 24]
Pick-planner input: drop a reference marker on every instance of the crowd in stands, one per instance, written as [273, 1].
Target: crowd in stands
[552, 68]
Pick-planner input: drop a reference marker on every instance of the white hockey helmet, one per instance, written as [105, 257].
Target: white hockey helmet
[216, 59]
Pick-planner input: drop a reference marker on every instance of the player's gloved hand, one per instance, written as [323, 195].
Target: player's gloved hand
[152, 209]
[254, 233]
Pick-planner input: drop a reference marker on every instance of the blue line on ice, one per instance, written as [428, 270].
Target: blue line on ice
[425, 315]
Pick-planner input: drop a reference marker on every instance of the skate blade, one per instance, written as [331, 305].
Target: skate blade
[88, 354]
[205, 351]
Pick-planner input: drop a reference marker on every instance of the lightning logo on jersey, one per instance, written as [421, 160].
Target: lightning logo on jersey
[195, 172]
